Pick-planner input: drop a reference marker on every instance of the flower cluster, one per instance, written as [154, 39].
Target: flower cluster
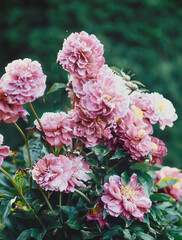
[105, 146]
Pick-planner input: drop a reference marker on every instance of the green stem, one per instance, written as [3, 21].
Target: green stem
[60, 199]
[21, 195]
[83, 195]
[40, 124]
[28, 150]
[26, 143]
[107, 162]
[116, 165]
[45, 197]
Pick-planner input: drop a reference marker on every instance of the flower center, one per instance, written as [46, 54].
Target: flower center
[160, 106]
[177, 185]
[141, 133]
[128, 191]
[154, 146]
[108, 98]
[96, 210]
[138, 113]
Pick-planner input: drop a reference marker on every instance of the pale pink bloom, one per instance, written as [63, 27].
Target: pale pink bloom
[96, 214]
[4, 151]
[62, 173]
[81, 55]
[80, 169]
[107, 97]
[158, 151]
[89, 130]
[56, 128]
[9, 113]
[23, 81]
[156, 108]
[126, 200]
[53, 173]
[135, 133]
[175, 190]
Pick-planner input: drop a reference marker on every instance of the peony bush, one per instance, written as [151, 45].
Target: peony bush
[94, 171]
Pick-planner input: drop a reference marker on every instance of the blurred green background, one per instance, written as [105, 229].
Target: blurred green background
[144, 36]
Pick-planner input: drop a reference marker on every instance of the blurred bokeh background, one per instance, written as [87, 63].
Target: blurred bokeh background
[143, 36]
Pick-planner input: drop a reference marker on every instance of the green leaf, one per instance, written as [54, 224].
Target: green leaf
[35, 233]
[146, 180]
[127, 234]
[144, 236]
[100, 150]
[118, 154]
[116, 70]
[168, 181]
[70, 211]
[55, 87]
[125, 178]
[37, 150]
[5, 208]
[74, 223]
[143, 167]
[160, 197]
[109, 234]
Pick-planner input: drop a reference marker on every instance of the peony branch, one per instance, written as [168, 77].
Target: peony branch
[83, 195]
[21, 195]
[40, 124]
[45, 197]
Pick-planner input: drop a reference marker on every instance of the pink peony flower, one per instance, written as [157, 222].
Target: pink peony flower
[60, 173]
[126, 200]
[96, 214]
[23, 81]
[9, 113]
[56, 128]
[80, 170]
[4, 151]
[134, 132]
[158, 151]
[156, 108]
[107, 97]
[89, 130]
[82, 55]
[175, 190]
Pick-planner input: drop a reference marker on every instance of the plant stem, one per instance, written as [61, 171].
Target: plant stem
[117, 164]
[21, 195]
[45, 197]
[83, 195]
[28, 150]
[26, 143]
[60, 199]
[40, 124]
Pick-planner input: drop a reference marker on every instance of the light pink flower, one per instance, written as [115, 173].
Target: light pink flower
[62, 173]
[175, 190]
[9, 113]
[56, 128]
[53, 173]
[158, 151]
[96, 214]
[81, 55]
[134, 132]
[80, 169]
[4, 151]
[107, 97]
[156, 108]
[23, 81]
[126, 200]
[89, 130]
